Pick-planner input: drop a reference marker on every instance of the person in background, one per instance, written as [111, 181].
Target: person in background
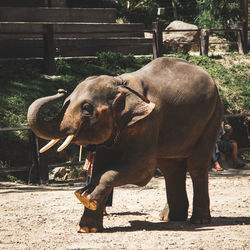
[225, 145]
[88, 167]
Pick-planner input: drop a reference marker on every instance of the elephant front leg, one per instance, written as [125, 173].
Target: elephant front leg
[174, 172]
[94, 197]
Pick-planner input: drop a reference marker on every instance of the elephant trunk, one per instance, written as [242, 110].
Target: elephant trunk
[46, 129]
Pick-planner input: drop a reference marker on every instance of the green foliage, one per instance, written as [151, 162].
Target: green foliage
[184, 10]
[217, 14]
[109, 63]
[116, 63]
[137, 11]
[6, 175]
[245, 156]
[77, 68]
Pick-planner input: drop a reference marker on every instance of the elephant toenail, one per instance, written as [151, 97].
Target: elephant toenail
[83, 230]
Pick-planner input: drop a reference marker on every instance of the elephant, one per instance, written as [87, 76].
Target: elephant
[166, 115]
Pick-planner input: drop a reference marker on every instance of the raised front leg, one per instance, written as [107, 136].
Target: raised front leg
[132, 162]
[174, 172]
[95, 195]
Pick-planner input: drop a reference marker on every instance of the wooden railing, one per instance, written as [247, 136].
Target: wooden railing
[39, 168]
[66, 32]
[204, 38]
[51, 32]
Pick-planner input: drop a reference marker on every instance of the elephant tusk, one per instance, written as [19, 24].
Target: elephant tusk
[49, 145]
[66, 143]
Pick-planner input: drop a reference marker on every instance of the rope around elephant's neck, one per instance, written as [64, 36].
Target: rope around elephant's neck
[113, 139]
[124, 84]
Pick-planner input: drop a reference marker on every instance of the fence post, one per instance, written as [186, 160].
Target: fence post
[204, 41]
[157, 40]
[49, 49]
[42, 164]
[39, 171]
[34, 173]
[242, 37]
[155, 54]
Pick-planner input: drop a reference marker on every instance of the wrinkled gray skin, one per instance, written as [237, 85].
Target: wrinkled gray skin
[176, 131]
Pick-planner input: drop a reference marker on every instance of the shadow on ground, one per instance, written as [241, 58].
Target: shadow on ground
[137, 225]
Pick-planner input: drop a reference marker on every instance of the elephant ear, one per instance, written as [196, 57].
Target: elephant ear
[131, 107]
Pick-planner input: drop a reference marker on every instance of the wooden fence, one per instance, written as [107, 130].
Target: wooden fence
[67, 32]
[204, 34]
[72, 32]
[39, 167]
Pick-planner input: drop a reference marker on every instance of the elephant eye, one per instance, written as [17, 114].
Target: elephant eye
[87, 109]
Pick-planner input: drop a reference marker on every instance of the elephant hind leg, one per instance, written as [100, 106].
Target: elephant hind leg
[198, 164]
[198, 169]
[174, 172]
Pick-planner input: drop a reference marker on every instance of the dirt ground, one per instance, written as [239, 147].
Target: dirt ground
[46, 217]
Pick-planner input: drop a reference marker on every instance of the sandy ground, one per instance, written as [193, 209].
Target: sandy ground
[46, 217]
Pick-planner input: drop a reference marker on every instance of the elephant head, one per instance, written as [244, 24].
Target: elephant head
[94, 112]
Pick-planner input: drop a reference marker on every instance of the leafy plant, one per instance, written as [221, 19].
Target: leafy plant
[117, 63]
[6, 175]
[143, 11]
[217, 14]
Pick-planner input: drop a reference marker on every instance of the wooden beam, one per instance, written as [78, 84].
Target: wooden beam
[157, 41]
[204, 41]
[244, 8]
[14, 129]
[76, 47]
[94, 15]
[15, 169]
[242, 37]
[61, 29]
[49, 50]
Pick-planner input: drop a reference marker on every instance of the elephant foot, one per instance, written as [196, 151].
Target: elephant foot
[91, 221]
[85, 199]
[200, 220]
[164, 213]
[176, 215]
[88, 230]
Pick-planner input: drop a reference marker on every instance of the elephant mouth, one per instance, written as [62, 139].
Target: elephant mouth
[111, 141]
[54, 141]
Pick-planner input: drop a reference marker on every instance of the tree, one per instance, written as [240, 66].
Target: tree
[218, 14]
[144, 11]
